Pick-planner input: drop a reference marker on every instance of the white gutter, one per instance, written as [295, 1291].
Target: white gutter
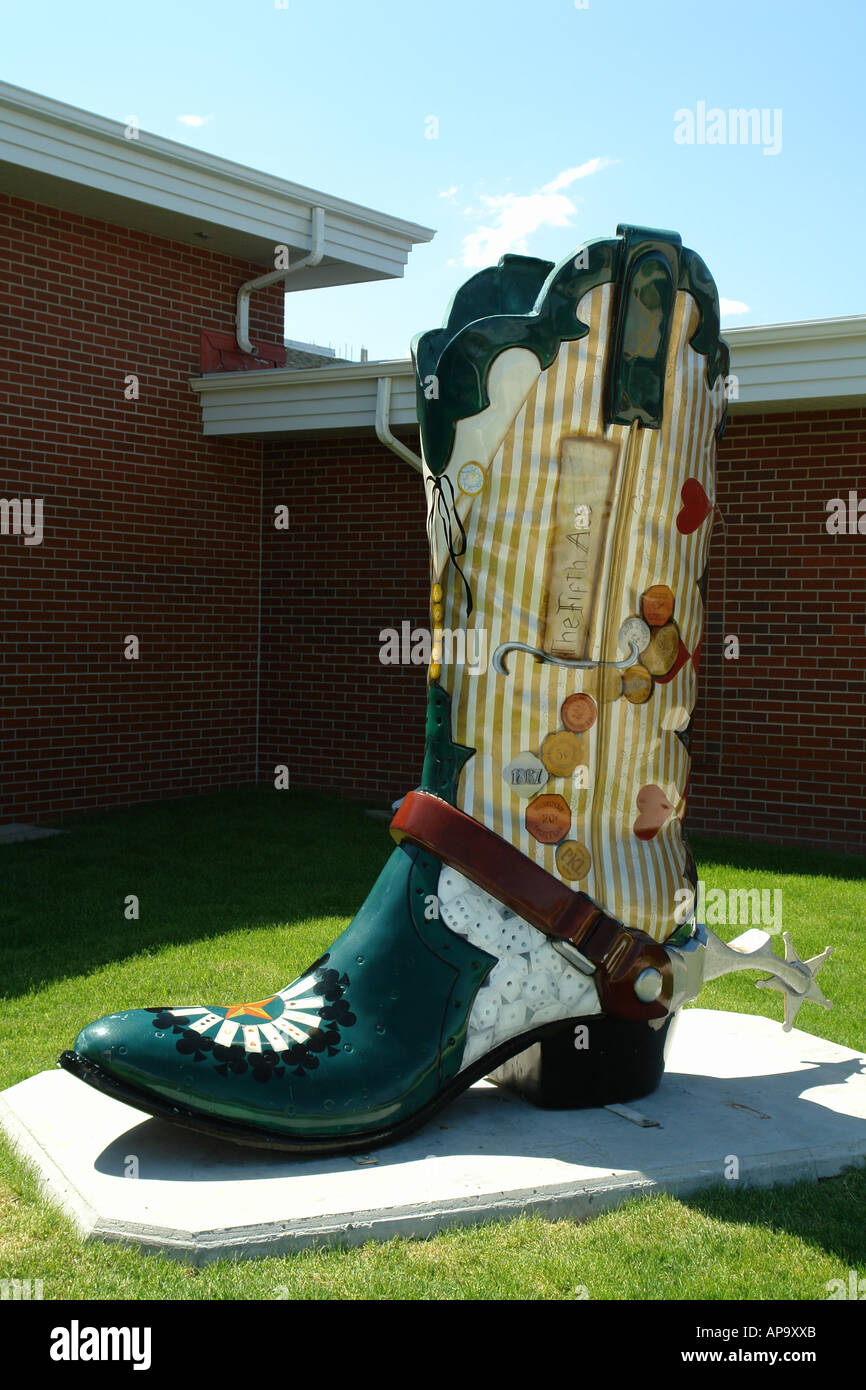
[383, 426]
[313, 257]
[797, 331]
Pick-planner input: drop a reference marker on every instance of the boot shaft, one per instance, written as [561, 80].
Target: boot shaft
[581, 480]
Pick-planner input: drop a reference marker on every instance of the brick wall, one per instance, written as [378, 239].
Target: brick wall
[793, 740]
[793, 743]
[353, 562]
[149, 528]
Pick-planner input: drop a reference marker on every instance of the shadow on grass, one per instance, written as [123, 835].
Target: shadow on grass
[830, 1214]
[780, 859]
[200, 867]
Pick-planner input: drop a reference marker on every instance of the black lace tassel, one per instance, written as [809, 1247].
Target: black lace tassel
[448, 516]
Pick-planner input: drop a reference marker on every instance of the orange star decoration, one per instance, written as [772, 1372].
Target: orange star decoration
[258, 1009]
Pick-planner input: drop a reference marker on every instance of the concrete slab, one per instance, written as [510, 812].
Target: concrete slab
[787, 1106]
[13, 832]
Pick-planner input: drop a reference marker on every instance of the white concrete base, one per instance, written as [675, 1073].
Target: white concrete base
[786, 1106]
[15, 831]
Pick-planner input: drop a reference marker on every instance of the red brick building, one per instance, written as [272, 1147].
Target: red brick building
[123, 261]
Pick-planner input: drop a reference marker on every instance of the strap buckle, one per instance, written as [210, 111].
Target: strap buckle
[573, 956]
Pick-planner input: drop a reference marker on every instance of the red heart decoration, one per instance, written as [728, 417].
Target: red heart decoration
[695, 509]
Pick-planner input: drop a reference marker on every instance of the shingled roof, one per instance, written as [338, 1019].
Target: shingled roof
[296, 357]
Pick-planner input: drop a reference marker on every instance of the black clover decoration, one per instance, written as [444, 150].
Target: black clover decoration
[300, 1058]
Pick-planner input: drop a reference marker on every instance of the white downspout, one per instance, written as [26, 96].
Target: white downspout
[383, 427]
[313, 257]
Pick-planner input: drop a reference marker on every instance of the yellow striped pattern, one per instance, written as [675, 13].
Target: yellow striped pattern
[508, 533]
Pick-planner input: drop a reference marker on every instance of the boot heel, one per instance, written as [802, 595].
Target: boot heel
[617, 1061]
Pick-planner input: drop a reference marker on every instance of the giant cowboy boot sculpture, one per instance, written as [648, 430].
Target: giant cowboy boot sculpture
[540, 884]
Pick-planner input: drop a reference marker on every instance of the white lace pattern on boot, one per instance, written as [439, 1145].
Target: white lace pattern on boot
[531, 984]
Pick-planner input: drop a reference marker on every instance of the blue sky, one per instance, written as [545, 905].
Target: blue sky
[555, 122]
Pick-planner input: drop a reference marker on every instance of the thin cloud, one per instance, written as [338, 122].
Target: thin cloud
[449, 194]
[513, 217]
[733, 306]
[580, 171]
[195, 120]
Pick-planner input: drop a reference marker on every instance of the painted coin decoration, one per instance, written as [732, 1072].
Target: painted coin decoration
[525, 774]
[633, 633]
[682, 659]
[578, 713]
[470, 478]
[548, 818]
[561, 752]
[663, 650]
[657, 605]
[604, 684]
[637, 685]
[654, 808]
[573, 860]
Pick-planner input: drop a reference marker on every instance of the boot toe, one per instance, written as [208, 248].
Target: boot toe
[125, 1046]
[103, 1040]
[151, 1056]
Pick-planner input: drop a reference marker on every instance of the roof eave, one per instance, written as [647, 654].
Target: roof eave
[58, 154]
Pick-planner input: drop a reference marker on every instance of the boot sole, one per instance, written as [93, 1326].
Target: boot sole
[251, 1136]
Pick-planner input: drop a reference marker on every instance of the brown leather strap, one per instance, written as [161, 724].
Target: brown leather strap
[618, 952]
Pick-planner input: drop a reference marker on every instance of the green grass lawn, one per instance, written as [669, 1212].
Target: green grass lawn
[241, 891]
